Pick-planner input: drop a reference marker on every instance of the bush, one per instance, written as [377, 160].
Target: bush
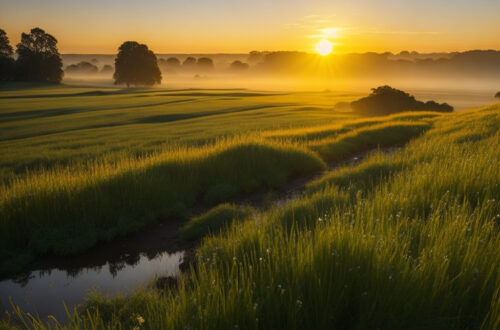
[386, 100]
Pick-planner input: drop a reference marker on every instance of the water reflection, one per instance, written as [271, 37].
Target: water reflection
[44, 291]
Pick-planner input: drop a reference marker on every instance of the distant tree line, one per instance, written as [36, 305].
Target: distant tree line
[38, 58]
[85, 67]
[476, 63]
[173, 64]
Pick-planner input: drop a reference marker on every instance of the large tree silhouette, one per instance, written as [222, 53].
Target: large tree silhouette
[38, 58]
[6, 60]
[136, 65]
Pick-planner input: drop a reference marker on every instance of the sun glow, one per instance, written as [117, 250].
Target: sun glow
[324, 47]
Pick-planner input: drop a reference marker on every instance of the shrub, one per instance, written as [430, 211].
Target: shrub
[386, 100]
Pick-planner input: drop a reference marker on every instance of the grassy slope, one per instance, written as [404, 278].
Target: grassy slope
[407, 240]
[42, 127]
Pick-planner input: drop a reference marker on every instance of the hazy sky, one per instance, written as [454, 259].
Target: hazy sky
[211, 26]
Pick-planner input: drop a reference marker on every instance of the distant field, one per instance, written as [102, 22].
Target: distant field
[44, 126]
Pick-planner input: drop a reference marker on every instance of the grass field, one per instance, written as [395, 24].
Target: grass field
[42, 127]
[407, 239]
[84, 165]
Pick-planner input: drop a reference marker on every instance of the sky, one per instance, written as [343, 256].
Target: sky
[240, 26]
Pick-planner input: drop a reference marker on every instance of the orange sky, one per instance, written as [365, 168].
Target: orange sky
[237, 26]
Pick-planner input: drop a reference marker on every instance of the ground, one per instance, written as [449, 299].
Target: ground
[406, 238]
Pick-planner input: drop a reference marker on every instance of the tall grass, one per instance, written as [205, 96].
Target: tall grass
[417, 247]
[66, 209]
[213, 221]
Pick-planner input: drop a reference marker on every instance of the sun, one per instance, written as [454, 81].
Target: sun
[324, 47]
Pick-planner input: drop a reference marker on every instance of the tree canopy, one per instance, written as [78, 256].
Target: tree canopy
[239, 66]
[82, 67]
[189, 62]
[136, 65]
[5, 47]
[386, 100]
[173, 62]
[38, 57]
[205, 63]
[7, 63]
[107, 69]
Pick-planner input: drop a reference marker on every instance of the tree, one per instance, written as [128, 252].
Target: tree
[385, 100]
[239, 66]
[82, 68]
[170, 65]
[38, 58]
[205, 63]
[189, 62]
[136, 65]
[7, 63]
[173, 62]
[107, 69]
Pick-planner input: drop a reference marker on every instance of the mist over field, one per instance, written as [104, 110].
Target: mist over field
[283, 165]
[465, 80]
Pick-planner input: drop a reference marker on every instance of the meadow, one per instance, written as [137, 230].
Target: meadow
[82, 165]
[404, 239]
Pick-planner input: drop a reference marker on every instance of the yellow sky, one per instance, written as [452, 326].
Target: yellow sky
[237, 26]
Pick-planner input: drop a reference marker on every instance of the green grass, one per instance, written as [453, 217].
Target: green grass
[46, 127]
[402, 240]
[76, 195]
[214, 221]
[66, 210]
[406, 239]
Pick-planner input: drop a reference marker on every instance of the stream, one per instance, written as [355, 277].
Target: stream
[44, 291]
[123, 264]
